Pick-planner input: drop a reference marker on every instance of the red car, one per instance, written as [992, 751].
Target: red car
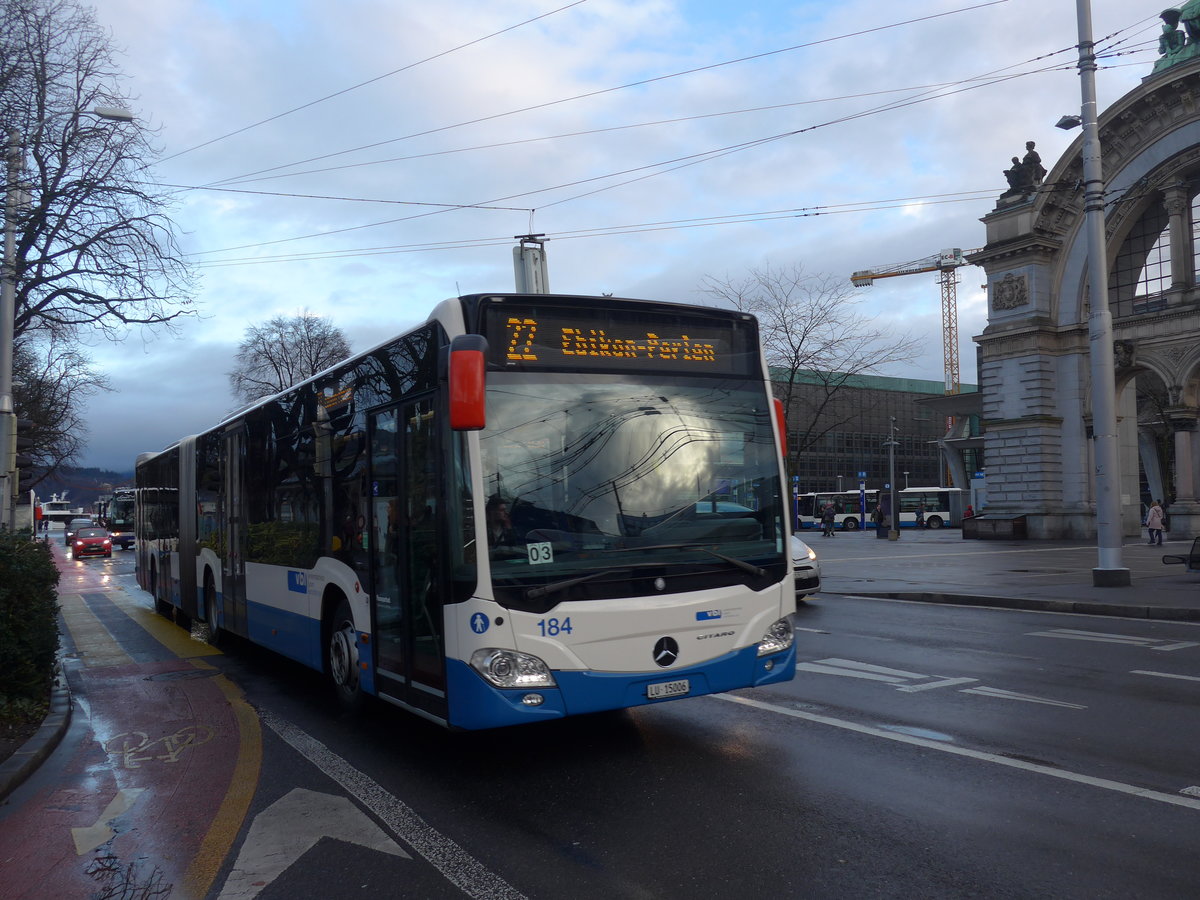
[91, 542]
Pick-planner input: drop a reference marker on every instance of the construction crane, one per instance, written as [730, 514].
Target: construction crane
[946, 262]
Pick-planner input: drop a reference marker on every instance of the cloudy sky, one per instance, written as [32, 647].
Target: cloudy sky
[365, 159]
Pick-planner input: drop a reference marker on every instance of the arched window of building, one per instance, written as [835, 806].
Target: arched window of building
[1144, 269]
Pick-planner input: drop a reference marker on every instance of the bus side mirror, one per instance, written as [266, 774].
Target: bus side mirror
[781, 422]
[467, 377]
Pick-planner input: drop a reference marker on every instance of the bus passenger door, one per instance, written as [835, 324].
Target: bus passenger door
[233, 522]
[406, 561]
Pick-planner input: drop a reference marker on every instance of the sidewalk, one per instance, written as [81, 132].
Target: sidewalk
[939, 566]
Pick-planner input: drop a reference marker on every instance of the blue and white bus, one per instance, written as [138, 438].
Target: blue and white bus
[529, 507]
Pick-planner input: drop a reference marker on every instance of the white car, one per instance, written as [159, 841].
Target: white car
[807, 569]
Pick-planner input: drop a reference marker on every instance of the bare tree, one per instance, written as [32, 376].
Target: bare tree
[54, 379]
[812, 335]
[93, 245]
[283, 352]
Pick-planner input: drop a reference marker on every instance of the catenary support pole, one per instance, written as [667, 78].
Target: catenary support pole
[1109, 571]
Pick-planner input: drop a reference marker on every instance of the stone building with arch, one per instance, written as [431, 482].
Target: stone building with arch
[1034, 367]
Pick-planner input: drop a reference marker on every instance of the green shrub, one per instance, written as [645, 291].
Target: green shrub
[28, 620]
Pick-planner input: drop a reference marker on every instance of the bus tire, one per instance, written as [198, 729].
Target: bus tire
[341, 662]
[162, 607]
[850, 524]
[210, 609]
[933, 522]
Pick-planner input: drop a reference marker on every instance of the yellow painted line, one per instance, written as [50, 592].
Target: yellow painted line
[167, 633]
[218, 840]
[93, 643]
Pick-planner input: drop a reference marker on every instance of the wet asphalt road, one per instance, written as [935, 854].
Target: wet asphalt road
[923, 750]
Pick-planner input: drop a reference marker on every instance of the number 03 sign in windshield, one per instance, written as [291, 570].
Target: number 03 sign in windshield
[613, 340]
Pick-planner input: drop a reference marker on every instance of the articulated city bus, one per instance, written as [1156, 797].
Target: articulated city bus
[531, 506]
[942, 507]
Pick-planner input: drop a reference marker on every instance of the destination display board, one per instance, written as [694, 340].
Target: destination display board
[616, 338]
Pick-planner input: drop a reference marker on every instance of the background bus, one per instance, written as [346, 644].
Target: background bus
[117, 515]
[943, 507]
[847, 509]
[529, 507]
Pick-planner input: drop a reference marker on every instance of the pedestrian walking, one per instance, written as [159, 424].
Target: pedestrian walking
[1154, 522]
[920, 515]
[827, 519]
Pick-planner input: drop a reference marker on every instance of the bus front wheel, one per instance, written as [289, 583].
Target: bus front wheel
[342, 664]
[850, 524]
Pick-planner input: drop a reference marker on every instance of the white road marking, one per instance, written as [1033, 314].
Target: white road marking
[1076, 777]
[456, 865]
[289, 828]
[1165, 675]
[88, 839]
[1193, 791]
[1071, 634]
[849, 668]
[945, 682]
[852, 669]
[1027, 698]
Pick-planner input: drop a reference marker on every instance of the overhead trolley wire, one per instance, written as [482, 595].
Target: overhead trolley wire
[609, 90]
[637, 228]
[693, 159]
[355, 87]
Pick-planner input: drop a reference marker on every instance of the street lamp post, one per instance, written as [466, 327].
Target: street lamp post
[1109, 571]
[14, 159]
[894, 511]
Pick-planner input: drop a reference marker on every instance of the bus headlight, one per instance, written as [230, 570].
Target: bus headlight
[510, 669]
[778, 637]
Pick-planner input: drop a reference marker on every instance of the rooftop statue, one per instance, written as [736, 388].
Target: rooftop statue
[1025, 175]
[1176, 46]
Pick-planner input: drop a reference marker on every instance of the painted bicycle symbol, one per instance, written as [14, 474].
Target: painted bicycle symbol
[136, 747]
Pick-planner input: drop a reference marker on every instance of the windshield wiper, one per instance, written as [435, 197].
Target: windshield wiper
[554, 587]
[732, 560]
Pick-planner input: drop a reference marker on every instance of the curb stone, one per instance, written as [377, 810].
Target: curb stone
[18, 767]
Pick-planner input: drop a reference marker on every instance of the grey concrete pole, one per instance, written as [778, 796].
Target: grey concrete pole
[8, 306]
[1109, 571]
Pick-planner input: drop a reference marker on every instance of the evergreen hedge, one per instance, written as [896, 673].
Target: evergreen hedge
[28, 623]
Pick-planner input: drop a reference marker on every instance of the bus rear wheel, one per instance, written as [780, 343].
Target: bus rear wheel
[933, 522]
[210, 609]
[342, 662]
[850, 524]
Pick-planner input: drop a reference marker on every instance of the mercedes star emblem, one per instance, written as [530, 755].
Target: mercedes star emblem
[666, 651]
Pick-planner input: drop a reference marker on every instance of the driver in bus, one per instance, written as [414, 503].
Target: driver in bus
[499, 525]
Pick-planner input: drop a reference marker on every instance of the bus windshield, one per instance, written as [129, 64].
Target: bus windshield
[602, 486]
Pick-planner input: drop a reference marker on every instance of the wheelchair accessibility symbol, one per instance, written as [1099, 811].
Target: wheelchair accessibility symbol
[480, 623]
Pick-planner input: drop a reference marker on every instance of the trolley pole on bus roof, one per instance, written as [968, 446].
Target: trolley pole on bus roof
[529, 264]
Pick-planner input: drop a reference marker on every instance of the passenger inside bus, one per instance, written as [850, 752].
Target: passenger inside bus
[499, 525]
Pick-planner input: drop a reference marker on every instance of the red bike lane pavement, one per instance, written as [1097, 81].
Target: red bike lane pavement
[147, 790]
